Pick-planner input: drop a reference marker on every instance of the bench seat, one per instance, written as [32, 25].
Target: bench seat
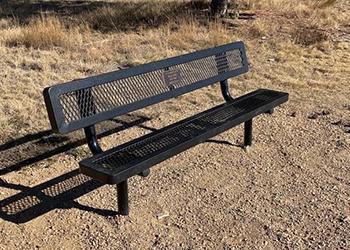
[118, 164]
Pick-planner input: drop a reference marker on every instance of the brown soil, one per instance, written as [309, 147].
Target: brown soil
[290, 190]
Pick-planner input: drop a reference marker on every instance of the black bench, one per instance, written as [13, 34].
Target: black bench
[85, 102]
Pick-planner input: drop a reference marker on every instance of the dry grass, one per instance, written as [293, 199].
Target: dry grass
[44, 32]
[285, 5]
[309, 35]
[51, 49]
[305, 22]
[121, 16]
[258, 29]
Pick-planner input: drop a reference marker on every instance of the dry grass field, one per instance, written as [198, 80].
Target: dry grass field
[290, 190]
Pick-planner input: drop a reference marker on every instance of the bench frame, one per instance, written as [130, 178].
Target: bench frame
[122, 187]
[51, 96]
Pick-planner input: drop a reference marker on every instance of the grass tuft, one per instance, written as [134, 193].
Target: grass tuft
[307, 36]
[43, 33]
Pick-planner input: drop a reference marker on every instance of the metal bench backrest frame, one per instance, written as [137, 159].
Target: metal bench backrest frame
[54, 106]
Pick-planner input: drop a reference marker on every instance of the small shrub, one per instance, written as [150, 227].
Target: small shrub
[309, 36]
[259, 28]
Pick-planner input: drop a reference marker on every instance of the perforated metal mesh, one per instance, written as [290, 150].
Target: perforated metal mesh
[183, 132]
[101, 98]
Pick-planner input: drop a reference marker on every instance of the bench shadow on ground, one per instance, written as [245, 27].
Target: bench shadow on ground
[60, 192]
[224, 143]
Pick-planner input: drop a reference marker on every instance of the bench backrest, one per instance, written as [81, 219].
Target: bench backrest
[84, 102]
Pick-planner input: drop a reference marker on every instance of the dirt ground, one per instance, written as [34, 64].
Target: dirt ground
[290, 190]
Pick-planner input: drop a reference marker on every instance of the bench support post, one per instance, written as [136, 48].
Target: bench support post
[91, 138]
[123, 200]
[225, 91]
[248, 132]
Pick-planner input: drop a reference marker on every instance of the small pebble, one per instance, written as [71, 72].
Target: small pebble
[162, 215]
[314, 116]
[337, 123]
[325, 112]
[294, 114]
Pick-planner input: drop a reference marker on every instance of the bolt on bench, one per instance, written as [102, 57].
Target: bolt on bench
[85, 102]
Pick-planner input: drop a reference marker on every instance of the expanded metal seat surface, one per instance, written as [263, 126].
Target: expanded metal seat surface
[122, 162]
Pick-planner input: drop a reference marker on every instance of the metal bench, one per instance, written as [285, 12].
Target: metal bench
[85, 102]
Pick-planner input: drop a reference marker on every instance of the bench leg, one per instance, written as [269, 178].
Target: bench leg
[248, 132]
[123, 200]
